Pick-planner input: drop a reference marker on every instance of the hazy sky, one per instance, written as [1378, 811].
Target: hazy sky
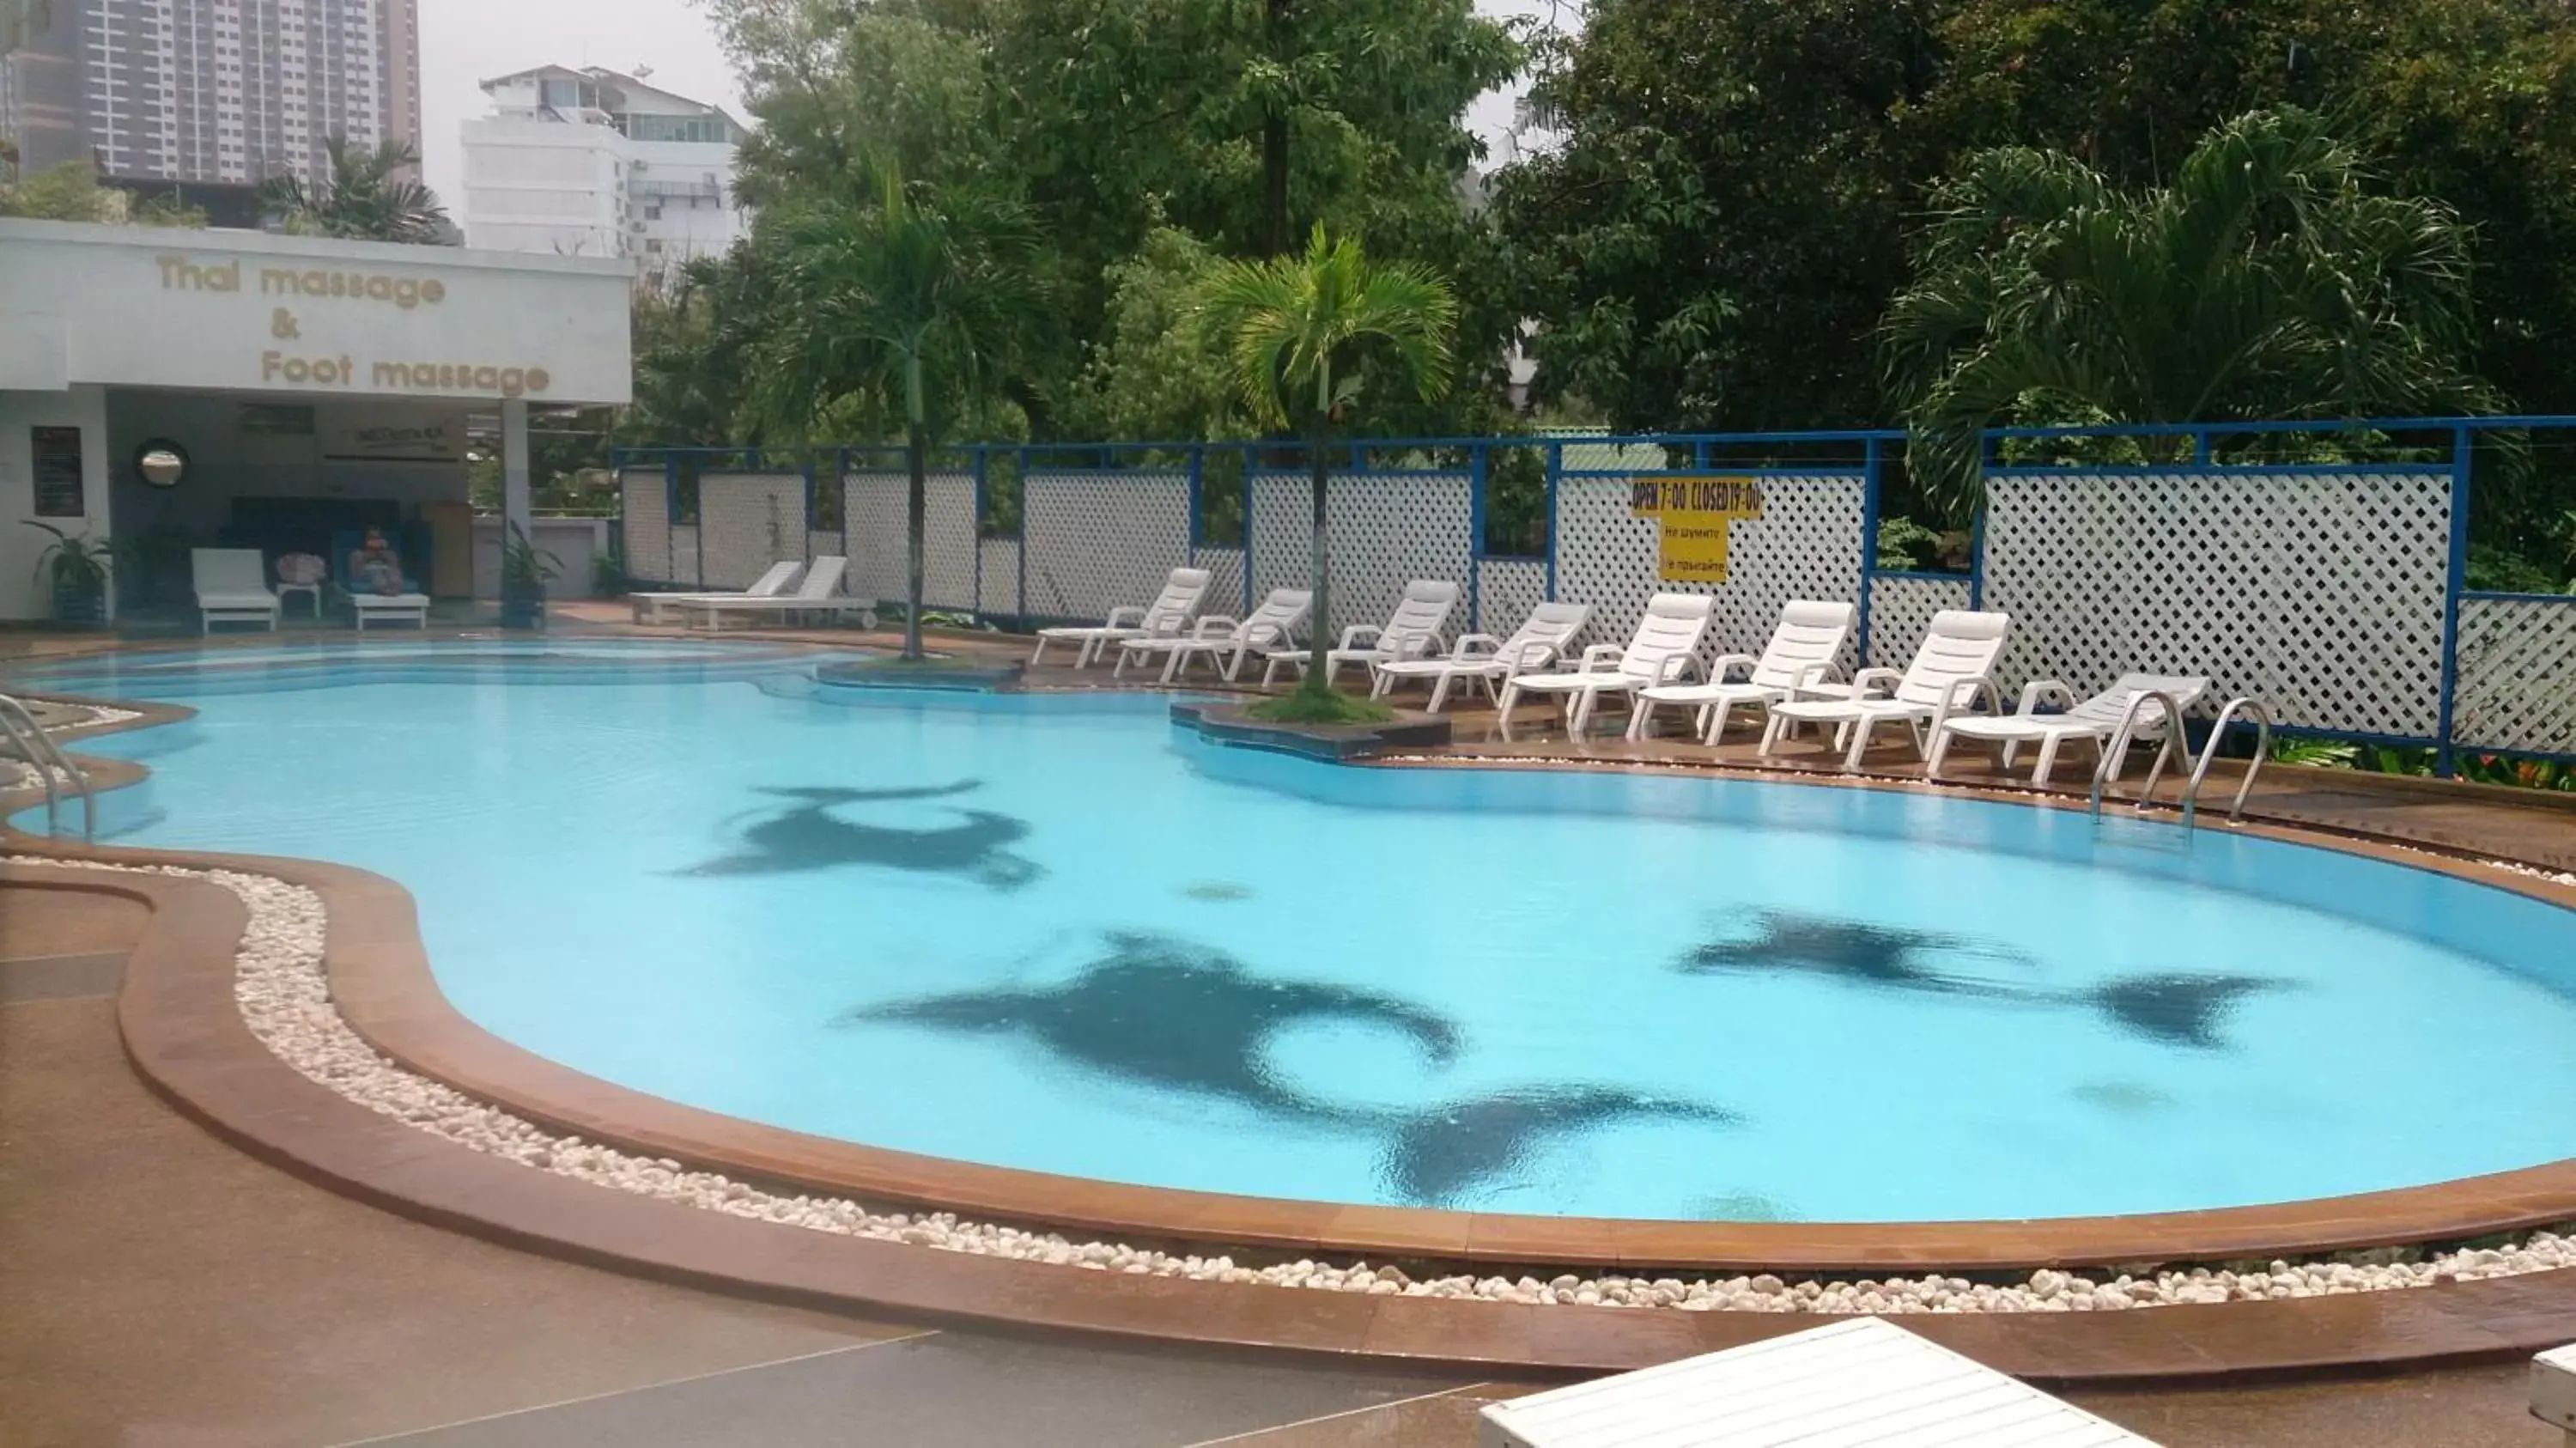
[465, 42]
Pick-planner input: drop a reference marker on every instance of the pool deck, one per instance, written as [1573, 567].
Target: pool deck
[182, 1030]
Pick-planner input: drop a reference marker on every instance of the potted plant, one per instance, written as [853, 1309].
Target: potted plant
[525, 571]
[74, 566]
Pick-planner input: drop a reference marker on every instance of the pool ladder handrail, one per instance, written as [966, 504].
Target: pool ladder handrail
[2118, 749]
[53, 767]
[2190, 801]
[2262, 717]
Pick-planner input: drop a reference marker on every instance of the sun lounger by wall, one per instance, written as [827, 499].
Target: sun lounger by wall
[781, 576]
[818, 593]
[2553, 1390]
[1860, 1383]
[1165, 617]
[1802, 652]
[1951, 672]
[1411, 632]
[1663, 651]
[1542, 639]
[232, 587]
[2094, 720]
[1224, 641]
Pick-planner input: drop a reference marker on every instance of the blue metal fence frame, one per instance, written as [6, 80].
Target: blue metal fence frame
[2209, 447]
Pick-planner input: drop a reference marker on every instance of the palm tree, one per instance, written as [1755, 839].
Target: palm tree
[2266, 281]
[1301, 334]
[910, 304]
[363, 200]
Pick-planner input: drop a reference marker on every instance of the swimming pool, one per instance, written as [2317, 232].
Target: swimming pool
[1055, 933]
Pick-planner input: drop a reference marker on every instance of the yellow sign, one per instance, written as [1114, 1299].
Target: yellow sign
[1693, 512]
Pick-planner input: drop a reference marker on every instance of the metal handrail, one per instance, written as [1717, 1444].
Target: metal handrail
[2209, 755]
[2118, 748]
[52, 767]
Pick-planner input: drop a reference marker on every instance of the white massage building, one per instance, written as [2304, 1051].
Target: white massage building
[307, 388]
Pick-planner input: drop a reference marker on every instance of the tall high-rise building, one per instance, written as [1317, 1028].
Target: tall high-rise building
[214, 90]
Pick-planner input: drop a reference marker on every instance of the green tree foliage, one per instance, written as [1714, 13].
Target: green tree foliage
[1155, 374]
[911, 306]
[1114, 121]
[1713, 241]
[70, 192]
[363, 199]
[2265, 282]
[1303, 337]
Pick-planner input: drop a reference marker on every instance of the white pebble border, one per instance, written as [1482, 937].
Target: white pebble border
[285, 999]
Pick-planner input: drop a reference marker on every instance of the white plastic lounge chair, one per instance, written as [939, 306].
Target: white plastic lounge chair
[1411, 632]
[232, 587]
[1540, 641]
[1801, 654]
[1662, 652]
[1951, 671]
[1225, 641]
[1165, 617]
[2553, 1389]
[781, 577]
[2096, 719]
[819, 592]
[1863, 1382]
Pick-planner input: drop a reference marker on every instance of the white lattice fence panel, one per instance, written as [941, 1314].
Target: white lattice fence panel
[749, 521]
[684, 554]
[2517, 683]
[1000, 587]
[872, 523]
[1806, 544]
[2318, 593]
[1386, 529]
[1506, 590]
[873, 504]
[1900, 613]
[645, 502]
[1103, 540]
[1225, 578]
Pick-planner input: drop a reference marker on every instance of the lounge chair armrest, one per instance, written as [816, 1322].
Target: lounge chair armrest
[2037, 692]
[1125, 615]
[1822, 671]
[1263, 634]
[1352, 635]
[1972, 688]
[1532, 656]
[1676, 667]
[1725, 664]
[1474, 646]
[1883, 679]
[1217, 625]
[1601, 654]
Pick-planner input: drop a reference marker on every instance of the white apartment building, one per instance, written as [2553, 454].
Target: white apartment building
[594, 163]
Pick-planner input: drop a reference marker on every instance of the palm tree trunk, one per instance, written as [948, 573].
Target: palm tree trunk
[916, 500]
[1318, 657]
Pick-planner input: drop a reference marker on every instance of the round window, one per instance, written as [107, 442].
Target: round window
[161, 462]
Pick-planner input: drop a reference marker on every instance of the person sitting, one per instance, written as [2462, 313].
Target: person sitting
[374, 567]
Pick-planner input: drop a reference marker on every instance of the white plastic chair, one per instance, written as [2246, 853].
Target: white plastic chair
[1165, 617]
[232, 587]
[1482, 658]
[1225, 641]
[1802, 653]
[2095, 719]
[1662, 651]
[1411, 632]
[1951, 671]
[781, 576]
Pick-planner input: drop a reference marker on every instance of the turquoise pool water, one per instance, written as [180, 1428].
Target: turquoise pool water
[1056, 933]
